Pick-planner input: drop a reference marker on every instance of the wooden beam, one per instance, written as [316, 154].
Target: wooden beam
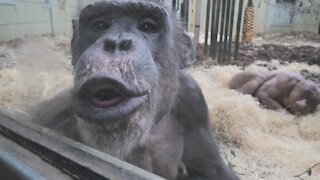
[74, 158]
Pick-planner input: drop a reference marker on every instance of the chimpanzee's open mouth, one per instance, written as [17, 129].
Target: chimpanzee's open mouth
[104, 97]
[107, 92]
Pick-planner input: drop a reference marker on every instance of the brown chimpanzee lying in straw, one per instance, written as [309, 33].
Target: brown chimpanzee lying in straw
[279, 90]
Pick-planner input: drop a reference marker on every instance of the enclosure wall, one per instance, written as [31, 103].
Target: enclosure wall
[30, 17]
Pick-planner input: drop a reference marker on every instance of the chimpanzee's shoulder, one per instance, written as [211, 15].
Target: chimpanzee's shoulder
[190, 108]
[188, 83]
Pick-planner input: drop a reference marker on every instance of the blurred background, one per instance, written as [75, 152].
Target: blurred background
[230, 36]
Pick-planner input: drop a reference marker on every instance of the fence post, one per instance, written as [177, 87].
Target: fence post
[215, 27]
[226, 33]
[197, 21]
[52, 18]
[223, 15]
[238, 29]
[207, 27]
[231, 30]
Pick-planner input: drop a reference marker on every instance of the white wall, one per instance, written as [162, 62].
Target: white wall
[301, 22]
[259, 19]
[263, 19]
[33, 17]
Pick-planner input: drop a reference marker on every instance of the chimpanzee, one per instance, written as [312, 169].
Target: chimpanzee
[279, 90]
[131, 98]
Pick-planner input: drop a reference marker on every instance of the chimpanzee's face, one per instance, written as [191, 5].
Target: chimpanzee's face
[308, 100]
[125, 66]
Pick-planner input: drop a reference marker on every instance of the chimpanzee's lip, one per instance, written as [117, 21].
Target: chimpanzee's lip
[105, 98]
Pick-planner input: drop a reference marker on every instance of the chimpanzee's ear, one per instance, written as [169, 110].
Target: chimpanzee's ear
[187, 50]
[74, 23]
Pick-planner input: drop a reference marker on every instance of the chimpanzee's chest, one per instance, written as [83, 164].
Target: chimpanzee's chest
[163, 151]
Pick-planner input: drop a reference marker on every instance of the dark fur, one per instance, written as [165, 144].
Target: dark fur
[170, 128]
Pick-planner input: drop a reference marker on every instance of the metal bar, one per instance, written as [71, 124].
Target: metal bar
[178, 7]
[197, 22]
[173, 4]
[221, 30]
[182, 11]
[25, 160]
[207, 27]
[52, 18]
[216, 31]
[72, 157]
[215, 27]
[236, 49]
[13, 168]
[213, 19]
[230, 31]
[226, 32]
[186, 13]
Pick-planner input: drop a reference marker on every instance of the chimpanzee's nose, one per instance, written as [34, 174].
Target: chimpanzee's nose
[125, 45]
[122, 45]
[110, 45]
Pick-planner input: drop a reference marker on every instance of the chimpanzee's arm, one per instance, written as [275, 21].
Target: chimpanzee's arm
[200, 154]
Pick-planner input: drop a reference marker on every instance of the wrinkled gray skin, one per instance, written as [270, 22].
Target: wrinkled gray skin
[279, 90]
[131, 98]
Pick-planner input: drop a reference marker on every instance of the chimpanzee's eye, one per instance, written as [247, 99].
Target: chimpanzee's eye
[148, 25]
[100, 24]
